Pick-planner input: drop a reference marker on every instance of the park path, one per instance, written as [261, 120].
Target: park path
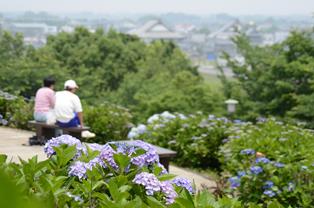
[14, 143]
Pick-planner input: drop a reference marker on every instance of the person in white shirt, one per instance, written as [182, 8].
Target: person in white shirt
[68, 108]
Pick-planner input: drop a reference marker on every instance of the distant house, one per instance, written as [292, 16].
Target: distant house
[33, 29]
[156, 30]
[221, 40]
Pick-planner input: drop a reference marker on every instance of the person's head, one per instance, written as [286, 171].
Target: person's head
[70, 85]
[49, 82]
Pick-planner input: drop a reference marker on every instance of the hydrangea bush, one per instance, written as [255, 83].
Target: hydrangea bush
[117, 174]
[15, 112]
[196, 138]
[269, 162]
[109, 122]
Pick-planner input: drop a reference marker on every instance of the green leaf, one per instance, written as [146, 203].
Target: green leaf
[3, 158]
[154, 203]
[166, 177]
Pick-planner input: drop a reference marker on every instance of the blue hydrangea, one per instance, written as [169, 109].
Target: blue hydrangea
[149, 181]
[268, 184]
[184, 183]
[256, 170]
[269, 193]
[64, 139]
[262, 160]
[234, 182]
[279, 165]
[241, 173]
[247, 152]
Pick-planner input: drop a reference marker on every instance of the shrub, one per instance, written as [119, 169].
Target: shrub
[109, 122]
[112, 175]
[196, 138]
[270, 162]
[15, 112]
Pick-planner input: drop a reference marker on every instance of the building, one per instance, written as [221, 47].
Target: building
[156, 30]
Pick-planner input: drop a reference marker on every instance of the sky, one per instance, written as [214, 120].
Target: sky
[200, 7]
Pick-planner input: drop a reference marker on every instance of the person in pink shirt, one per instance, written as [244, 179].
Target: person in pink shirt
[45, 101]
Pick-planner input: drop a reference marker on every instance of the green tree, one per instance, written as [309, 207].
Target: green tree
[273, 79]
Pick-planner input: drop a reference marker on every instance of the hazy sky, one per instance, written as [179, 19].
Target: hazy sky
[268, 7]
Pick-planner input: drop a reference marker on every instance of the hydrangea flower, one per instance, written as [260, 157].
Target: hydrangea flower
[75, 197]
[148, 158]
[64, 139]
[153, 118]
[96, 147]
[241, 173]
[94, 162]
[234, 182]
[4, 122]
[183, 182]
[149, 181]
[78, 169]
[262, 160]
[269, 193]
[247, 152]
[136, 131]
[256, 169]
[268, 184]
[279, 165]
[169, 193]
[107, 155]
[167, 116]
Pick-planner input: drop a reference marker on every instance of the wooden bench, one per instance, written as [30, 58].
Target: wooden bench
[47, 131]
[164, 154]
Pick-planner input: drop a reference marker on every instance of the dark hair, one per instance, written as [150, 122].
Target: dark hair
[48, 81]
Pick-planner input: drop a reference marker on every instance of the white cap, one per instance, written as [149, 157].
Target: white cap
[70, 84]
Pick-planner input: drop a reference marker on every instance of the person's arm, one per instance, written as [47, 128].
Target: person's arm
[80, 116]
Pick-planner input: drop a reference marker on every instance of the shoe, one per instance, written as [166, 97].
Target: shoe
[88, 134]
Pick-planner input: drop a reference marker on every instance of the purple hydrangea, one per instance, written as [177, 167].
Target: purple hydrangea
[149, 181]
[96, 147]
[269, 193]
[94, 162]
[184, 183]
[169, 193]
[247, 152]
[107, 155]
[64, 139]
[150, 157]
[4, 122]
[164, 171]
[256, 169]
[262, 160]
[78, 169]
